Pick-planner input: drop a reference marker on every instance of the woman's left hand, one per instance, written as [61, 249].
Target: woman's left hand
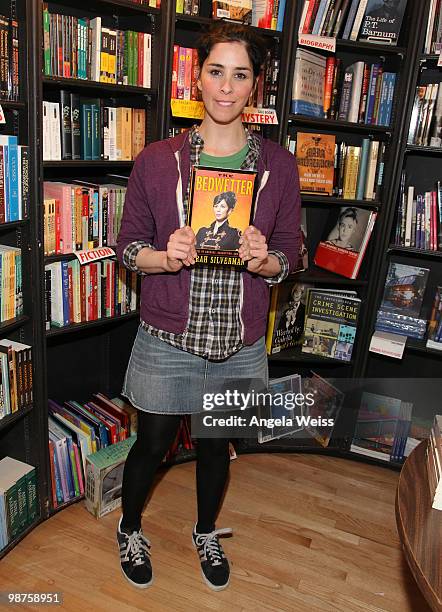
[253, 249]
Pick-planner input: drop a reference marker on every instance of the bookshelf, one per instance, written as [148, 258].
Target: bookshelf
[75, 361]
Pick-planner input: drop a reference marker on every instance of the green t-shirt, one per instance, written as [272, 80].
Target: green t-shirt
[233, 162]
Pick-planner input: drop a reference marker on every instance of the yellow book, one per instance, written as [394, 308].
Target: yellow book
[351, 172]
[271, 319]
[104, 56]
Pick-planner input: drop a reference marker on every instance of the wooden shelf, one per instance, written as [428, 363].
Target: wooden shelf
[14, 417]
[58, 331]
[81, 163]
[318, 275]
[12, 104]
[331, 125]
[413, 251]
[418, 150]
[108, 6]
[8, 326]
[324, 200]
[296, 355]
[199, 21]
[84, 84]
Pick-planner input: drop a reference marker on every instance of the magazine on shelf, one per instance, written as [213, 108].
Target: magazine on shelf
[220, 208]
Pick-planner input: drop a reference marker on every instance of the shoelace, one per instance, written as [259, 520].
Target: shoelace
[138, 545]
[211, 546]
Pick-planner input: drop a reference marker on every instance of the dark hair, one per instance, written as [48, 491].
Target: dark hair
[348, 212]
[223, 31]
[228, 196]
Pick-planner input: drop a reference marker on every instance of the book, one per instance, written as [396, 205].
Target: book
[236, 10]
[382, 21]
[404, 289]
[330, 324]
[286, 316]
[221, 206]
[315, 155]
[308, 84]
[345, 240]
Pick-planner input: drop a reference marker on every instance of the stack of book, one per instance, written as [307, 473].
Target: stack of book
[368, 20]
[18, 498]
[84, 128]
[426, 117]
[358, 93]
[84, 49]
[9, 56]
[382, 427]
[434, 462]
[338, 169]
[433, 38]
[14, 180]
[15, 377]
[331, 318]
[434, 330]
[419, 217]
[11, 303]
[81, 215]
[77, 293]
[402, 301]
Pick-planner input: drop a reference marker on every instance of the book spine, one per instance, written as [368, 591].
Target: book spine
[66, 125]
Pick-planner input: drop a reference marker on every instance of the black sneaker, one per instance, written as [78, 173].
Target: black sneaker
[135, 557]
[214, 565]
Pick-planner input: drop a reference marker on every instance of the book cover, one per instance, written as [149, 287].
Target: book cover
[237, 10]
[286, 316]
[220, 208]
[324, 411]
[308, 84]
[345, 240]
[315, 156]
[382, 21]
[330, 324]
[404, 289]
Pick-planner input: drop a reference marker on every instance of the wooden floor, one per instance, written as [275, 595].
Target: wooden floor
[310, 533]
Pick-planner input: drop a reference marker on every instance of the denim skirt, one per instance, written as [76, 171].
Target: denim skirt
[163, 379]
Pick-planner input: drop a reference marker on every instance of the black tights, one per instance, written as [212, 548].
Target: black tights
[156, 432]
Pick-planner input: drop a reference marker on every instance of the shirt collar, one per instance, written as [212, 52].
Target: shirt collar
[196, 140]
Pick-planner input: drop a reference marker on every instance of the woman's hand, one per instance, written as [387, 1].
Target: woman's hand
[253, 249]
[181, 249]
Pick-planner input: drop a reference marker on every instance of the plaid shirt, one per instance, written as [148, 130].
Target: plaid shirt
[214, 325]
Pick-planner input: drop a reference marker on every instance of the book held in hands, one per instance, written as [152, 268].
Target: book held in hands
[220, 209]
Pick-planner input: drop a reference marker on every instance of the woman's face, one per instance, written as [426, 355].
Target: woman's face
[226, 81]
[346, 228]
[221, 210]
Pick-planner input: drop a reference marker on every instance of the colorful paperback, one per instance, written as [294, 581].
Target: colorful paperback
[220, 208]
[315, 156]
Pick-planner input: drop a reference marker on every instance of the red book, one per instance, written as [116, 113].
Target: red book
[433, 217]
[173, 93]
[310, 17]
[364, 93]
[57, 227]
[345, 240]
[194, 91]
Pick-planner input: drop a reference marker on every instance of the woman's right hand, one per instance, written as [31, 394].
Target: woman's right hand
[181, 249]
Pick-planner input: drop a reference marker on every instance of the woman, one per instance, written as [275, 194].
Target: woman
[343, 231]
[199, 324]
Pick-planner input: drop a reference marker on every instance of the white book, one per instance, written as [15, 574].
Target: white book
[430, 23]
[409, 216]
[55, 128]
[358, 20]
[95, 25]
[320, 23]
[112, 134]
[147, 52]
[356, 90]
[46, 132]
[57, 318]
[373, 153]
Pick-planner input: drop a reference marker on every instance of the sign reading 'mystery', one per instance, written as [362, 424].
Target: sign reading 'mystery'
[89, 255]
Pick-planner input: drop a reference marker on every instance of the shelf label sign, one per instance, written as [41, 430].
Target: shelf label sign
[262, 116]
[325, 43]
[386, 343]
[89, 255]
[189, 109]
[2, 115]
[194, 109]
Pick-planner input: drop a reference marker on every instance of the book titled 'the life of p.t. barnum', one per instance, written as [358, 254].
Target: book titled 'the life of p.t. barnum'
[221, 206]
